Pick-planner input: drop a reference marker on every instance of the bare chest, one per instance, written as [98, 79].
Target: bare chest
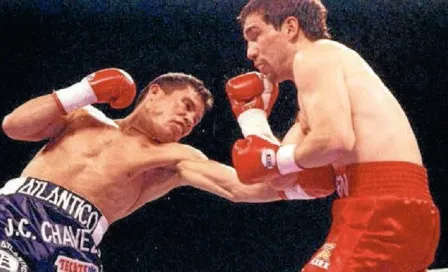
[95, 151]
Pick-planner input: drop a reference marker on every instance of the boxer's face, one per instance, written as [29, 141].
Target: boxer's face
[267, 47]
[171, 116]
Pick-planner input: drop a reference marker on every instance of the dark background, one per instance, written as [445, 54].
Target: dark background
[47, 45]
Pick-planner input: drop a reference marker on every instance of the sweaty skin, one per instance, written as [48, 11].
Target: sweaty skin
[347, 114]
[112, 163]
[120, 165]
[381, 128]
[105, 165]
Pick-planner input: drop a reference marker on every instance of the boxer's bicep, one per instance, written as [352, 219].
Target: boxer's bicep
[325, 100]
[166, 155]
[35, 120]
[295, 134]
[48, 132]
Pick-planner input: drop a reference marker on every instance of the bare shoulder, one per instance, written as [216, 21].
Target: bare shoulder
[333, 48]
[323, 57]
[340, 52]
[312, 63]
[322, 52]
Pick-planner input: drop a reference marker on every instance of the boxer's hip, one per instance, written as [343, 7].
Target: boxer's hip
[386, 215]
[384, 233]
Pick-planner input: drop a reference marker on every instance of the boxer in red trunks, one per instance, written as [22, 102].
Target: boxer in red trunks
[385, 218]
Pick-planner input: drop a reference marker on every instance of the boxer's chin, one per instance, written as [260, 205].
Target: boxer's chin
[167, 135]
[270, 75]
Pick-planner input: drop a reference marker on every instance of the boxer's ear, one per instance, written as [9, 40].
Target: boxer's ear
[154, 91]
[291, 27]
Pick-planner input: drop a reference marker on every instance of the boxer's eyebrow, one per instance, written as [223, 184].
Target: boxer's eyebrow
[249, 32]
[190, 102]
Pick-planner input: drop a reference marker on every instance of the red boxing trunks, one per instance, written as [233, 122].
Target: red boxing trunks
[384, 221]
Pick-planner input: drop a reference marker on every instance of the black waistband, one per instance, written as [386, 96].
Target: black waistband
[70, 203]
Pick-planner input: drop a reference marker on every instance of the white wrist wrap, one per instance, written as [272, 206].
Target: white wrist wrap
[286, 162]
[255, 122]
[76, 96]
[296, 192]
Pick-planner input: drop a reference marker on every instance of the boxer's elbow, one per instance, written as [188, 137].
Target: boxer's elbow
[9, 126]
[342, 142]
[256, 193]
[240, 194]
[236, 196]
[336, 141]
[15, 129]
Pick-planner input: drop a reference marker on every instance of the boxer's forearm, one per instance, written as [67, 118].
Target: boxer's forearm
[222, 180]
[35, 120]
[316, 150]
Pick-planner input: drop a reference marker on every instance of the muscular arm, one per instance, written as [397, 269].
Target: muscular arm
[37, 119]
[326, 103]
[206, 175]
[40, 118]
[222, 180]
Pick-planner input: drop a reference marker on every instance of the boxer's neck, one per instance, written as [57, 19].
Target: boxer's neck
[132, 127]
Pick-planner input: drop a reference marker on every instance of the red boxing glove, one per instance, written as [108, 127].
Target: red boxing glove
[113, 86]
[256, 159]
[251, 91]
[309, 184]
